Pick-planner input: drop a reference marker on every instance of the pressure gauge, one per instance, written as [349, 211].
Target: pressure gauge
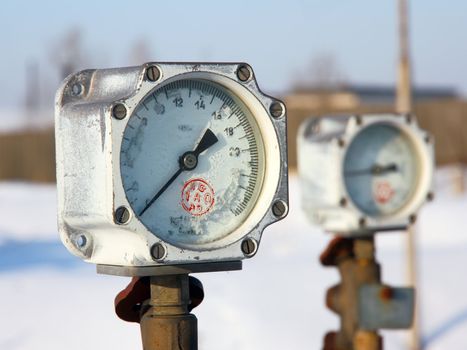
[381, 170]
[365, 173]
[168, 164]
[206, 174]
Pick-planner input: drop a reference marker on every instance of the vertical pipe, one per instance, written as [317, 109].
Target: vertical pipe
[404, 105]
[404, 83]
[414, 332]
[167, 325]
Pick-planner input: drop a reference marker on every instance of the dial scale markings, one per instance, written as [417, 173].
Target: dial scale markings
[239, 151]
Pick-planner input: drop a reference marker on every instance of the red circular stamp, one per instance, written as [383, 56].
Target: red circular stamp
[383, 192]
[197, 197]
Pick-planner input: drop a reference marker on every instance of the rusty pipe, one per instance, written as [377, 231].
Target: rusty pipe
[167, 323]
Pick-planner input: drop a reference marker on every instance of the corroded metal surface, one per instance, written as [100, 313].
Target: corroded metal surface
[362, 302]
[167, 324]
[132, 302]
[162, 305]
[355, 260]
[384, 307]
[129, 301]
[169, 332]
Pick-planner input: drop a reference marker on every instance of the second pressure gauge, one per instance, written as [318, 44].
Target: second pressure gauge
[168, 163]
[381, 169]
[365, 173]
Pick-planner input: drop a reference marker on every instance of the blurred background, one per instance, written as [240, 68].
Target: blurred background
[320, 57]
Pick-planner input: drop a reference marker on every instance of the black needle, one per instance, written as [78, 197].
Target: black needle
[374, 170]
[162, 190]
[208, 139]
[188, 161]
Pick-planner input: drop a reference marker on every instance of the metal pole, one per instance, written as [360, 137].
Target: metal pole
[404, 83]
[414, 341]
[404, 105]
[167, 324]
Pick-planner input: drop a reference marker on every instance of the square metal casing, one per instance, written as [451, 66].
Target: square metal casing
[89, 189]
[322, 144]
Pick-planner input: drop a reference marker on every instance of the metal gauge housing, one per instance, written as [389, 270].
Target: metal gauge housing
[363, 174]
[168, 163]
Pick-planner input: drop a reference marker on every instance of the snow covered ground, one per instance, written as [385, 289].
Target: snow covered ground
[51, 300]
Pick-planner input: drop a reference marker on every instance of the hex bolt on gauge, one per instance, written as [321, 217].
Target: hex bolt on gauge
[361, 175]
[168, 168]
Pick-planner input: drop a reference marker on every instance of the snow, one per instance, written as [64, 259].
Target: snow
[51, 300]
[28, 212]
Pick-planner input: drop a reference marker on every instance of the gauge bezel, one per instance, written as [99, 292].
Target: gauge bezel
[414, 186]
[273, 186]
[417, 138]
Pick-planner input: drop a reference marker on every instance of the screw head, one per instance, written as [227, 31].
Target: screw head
[358, 119]
[430, 196]
[243, 72]
[412, 218]
[249, 246]
[76, 89]
[81, 241]
[152, 73]
[119, 111]
[343, 202]
[189, 161]
[386, 293]
[276, 109]
[158, 251]
[315, 127]
[341, 142]
[362, 222]
[122, 215]
[279, 209]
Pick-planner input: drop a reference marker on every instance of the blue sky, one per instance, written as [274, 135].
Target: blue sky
[279, 39]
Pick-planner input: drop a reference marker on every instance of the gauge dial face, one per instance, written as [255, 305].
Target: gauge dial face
[192, 162]
[380, 170]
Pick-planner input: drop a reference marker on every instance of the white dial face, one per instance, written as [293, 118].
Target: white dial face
[380, 170]
[192, 162]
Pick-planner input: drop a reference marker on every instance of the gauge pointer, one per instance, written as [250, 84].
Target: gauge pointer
[374, 170]
[188, 161]
[208, 139]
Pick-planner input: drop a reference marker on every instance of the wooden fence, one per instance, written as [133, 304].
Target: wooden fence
[28, 156]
